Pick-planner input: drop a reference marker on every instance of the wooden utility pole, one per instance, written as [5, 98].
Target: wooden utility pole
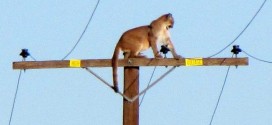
[131, 89]
[131, 73]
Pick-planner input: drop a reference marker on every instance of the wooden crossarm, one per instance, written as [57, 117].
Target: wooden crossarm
[131, 62]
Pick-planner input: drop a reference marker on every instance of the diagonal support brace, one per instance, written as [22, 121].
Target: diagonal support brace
[142, 92]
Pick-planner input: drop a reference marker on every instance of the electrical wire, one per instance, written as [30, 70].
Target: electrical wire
[256, 57]
[17, 88]
[15, 97]
[148, 85]
[153, 83]
[32, 58]
[240, 34]
[221, 92]
[82, 32]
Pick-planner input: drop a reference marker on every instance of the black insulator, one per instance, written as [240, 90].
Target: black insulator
[24, 53]
[164, 49]
[236, 50]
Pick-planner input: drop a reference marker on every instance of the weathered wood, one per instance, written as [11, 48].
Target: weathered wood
[131, 89]
[127, 62]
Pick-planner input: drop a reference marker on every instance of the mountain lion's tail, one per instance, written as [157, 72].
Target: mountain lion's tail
[114, 64]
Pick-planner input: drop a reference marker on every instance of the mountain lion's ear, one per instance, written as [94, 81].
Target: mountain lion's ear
[169, 15]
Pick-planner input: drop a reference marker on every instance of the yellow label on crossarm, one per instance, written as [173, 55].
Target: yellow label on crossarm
[75, 63]
[194, 62]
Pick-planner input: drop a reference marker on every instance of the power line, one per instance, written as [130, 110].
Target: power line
[256, 57]
[82, 32]
[222, 89]
[148, 85]
[154, 83]
[32, 58]
[240, 34]
[24, 54]
[15, 97]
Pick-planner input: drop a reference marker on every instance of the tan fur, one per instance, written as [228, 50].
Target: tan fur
[136, 40]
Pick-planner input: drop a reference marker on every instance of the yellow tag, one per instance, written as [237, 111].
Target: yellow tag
[75, 63]
[194, 62]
